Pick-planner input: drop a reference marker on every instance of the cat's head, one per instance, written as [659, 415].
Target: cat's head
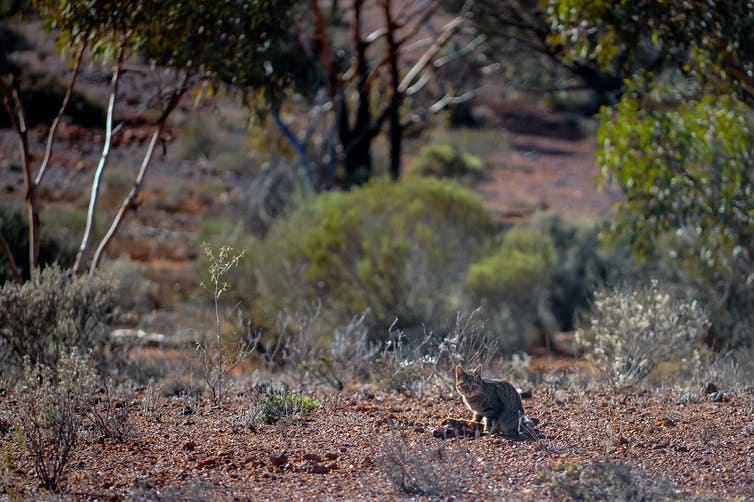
[467, 381]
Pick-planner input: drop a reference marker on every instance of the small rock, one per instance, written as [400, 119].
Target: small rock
[313, 457]
[189, 446]
[319, 469]
[667, 422]
[278, 460]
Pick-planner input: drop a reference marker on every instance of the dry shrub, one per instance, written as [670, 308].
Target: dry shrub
[434, 472]
[52, 402]
[54, 310]
[111, 414]
[604, 480]
[632, 329]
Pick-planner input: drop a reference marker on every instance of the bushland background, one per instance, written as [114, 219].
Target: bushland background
[232, 232]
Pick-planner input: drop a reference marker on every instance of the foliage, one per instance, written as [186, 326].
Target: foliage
[399, 249]
[53, 311]
[522, 47]
[708, 40]
[686, 169]
[51, 402]
[229, 42]
[679, 141]
[604, 480]
[445, 161]
[57, 243]
[216, 362]
[631, 330]
[524, 263]
[277, 403]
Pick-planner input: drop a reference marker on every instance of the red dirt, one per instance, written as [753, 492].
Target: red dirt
[703, 448]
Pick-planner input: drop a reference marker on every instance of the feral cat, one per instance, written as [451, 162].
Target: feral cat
[495, 400]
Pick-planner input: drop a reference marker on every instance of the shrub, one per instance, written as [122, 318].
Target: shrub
[333, 360]
[58, 239]
[52, 311]
[111, 413]
[277, 403]
[631, 330]
[434, 472]
[422, 367]
[514, 279]
[445, 161]
[604, 480]
[51, 404]
[524, 263]
[483, 142]
[399, 249]
[582, 265]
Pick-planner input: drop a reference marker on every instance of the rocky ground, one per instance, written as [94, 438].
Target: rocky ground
[365, 444]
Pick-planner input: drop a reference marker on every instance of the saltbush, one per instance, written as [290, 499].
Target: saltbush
[445, 161]
[399, 249]
[523, 263]
[632, 329]
[52, 311]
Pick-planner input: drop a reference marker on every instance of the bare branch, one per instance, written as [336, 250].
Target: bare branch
[63, 106]
[129, 201]
[448, 31]
[13, 105]
[90, 216]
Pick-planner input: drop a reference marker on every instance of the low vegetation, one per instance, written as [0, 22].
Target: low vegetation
[336, 303]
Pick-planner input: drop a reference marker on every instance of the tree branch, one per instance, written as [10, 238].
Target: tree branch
[63, 106]
[128, 201]
[90, 216]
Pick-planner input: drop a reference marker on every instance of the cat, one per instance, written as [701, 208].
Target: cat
[496, 401]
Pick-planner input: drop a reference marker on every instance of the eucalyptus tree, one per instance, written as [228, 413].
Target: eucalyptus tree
[215, 44]
[680, 143]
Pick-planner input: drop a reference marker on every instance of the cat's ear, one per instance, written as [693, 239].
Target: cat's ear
[459, 372]
[477, 371]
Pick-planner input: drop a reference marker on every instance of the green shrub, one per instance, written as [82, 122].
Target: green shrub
[632, 329]
[604, 480]
[523, 265]
[54, 310]
[60, 230]
[445, 161]
[273, 404]
[583, 265]
[514, 279]
[484, 142]
[52, 401]
[399, 249]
